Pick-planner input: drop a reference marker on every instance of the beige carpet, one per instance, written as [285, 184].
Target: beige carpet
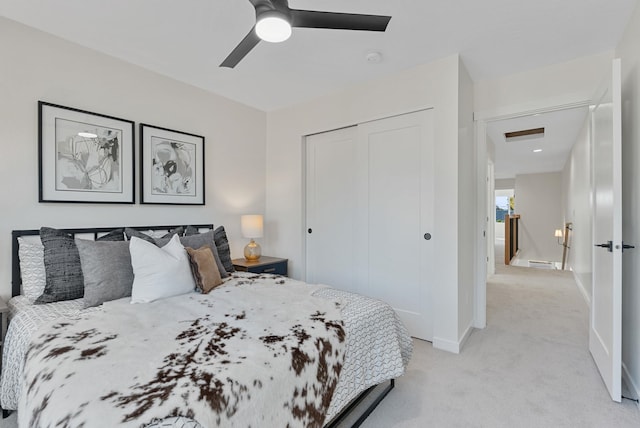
[529, 368]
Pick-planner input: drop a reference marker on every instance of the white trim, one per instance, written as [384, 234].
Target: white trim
[450, 345]
[553, 104]
[480, 291]
[628, 380]
[582, 289]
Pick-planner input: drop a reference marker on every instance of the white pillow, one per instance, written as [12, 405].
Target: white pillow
[31, 256]
[159, 272]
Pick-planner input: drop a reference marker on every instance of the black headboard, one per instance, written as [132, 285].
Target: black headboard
[16, 279]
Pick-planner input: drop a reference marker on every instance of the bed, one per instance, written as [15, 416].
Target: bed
[259, 353]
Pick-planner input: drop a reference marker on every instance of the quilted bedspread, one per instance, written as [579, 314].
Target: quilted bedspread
[250, 354]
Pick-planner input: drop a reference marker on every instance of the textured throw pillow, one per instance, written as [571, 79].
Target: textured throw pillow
[159, 272]
[32, 272]
[222, 244]
[198, 241]
[62, 267]
[191, 230]
[107, 271]
[136, 233]
[114, 235]
[153, 235]
[204, 268]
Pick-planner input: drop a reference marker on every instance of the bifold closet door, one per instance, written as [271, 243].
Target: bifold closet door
[398, 215]
[331, 208]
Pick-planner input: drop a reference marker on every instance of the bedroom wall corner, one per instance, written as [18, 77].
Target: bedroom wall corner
[38, 66]
[467, 204]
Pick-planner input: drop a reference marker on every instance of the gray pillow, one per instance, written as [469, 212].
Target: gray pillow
[198, 241]
[133, 232]
[114, 235]
[130, 232]
[107, 271]
[62, 267]
[222, 244]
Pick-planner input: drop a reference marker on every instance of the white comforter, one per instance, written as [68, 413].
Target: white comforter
[378, 346]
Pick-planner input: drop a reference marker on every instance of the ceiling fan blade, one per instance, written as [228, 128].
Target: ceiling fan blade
[338, 21]
[244, 47]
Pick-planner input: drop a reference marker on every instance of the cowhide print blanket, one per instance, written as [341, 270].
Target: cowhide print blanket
[245, 355]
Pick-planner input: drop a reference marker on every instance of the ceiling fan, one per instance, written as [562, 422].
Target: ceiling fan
[274, 20]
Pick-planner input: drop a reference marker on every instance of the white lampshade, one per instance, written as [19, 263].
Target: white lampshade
[273, 27]
[252, 226]
[558, 233]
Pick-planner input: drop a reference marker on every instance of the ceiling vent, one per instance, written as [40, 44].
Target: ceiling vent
[525, 134]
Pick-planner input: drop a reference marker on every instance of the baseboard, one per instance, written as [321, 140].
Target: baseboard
[450, 345]
[581, 288]
[633, 387]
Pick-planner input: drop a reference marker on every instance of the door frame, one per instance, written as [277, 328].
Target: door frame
[484, 232]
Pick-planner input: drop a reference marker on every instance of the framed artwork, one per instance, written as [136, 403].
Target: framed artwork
[84, 157]
[172, 167]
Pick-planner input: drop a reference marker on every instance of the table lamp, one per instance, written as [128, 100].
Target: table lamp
[252, 226]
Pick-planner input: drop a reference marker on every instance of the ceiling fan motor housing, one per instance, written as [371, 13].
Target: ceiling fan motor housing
[276, 7]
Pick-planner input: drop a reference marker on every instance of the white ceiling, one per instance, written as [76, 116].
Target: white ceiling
[517, 157]
[188, 39]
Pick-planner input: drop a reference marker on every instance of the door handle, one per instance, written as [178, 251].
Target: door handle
[627, 246]
[608, 246]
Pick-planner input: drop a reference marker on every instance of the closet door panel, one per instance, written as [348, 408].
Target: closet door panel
[331, 208]
[399, 207]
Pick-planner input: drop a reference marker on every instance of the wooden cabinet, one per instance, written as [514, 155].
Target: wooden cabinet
[266, 264]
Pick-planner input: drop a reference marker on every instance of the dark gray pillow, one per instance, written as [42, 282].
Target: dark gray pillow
[130, 232]
[222, 244]
[198, 241]
[114, 235]
[191, 230]
[63, 272]
[133, 232]
[107, 271]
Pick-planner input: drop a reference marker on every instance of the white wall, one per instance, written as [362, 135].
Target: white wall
[539, 203]
[37, 66]
[629, 51]
[577, 209]
[505, 183]
[554, 85]
[467, 202]
[433, 85]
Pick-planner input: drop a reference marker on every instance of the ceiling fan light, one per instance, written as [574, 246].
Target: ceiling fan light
[273, 27]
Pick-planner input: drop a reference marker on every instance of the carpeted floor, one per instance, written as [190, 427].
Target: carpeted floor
[530, 367]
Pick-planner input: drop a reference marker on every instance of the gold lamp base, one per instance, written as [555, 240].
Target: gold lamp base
[252, 251]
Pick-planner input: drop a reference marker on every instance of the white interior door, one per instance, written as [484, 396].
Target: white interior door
[331, 208]
[605, 332]
[396, 202]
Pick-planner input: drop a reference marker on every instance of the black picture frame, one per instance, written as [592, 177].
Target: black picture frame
[172, 166]
[84, 157]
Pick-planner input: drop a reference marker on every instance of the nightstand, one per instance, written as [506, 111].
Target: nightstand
[264, 265]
